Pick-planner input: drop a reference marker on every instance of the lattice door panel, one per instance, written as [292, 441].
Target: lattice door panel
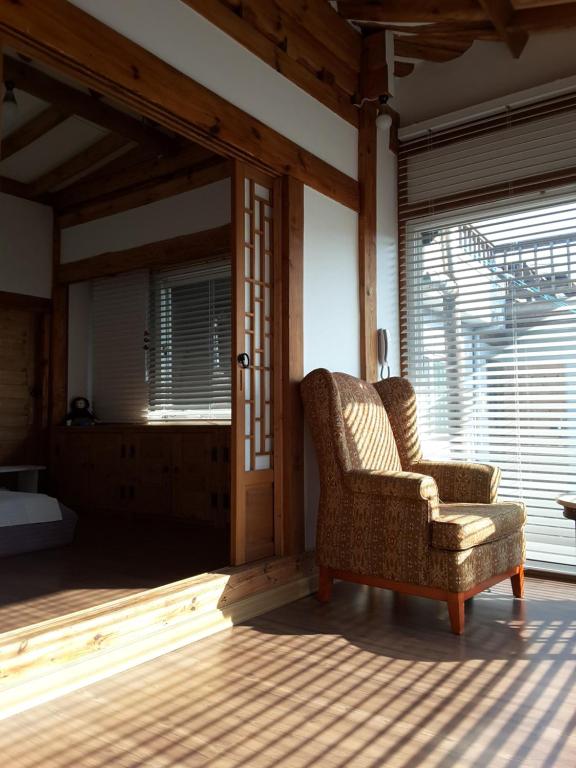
[258, 329]
[256, 207]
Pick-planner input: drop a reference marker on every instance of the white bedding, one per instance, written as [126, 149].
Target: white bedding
[25, 508]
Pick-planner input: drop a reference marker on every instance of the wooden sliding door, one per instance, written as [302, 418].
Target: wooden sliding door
[256, 439]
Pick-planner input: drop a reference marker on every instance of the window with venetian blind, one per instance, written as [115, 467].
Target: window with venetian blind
[162, 343]
[488, 258]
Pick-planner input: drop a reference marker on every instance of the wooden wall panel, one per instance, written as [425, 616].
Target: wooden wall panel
[18, 340]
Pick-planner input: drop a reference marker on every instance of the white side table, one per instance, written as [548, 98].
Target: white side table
[27, 476]
[569, 504]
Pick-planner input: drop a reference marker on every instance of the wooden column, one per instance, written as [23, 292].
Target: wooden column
[292, 364]
[1, 94]
[367, 151]
[58, 338]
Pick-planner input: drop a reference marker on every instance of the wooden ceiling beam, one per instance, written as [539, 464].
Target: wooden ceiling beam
[88, 106]
[326, 25]
[207, 243]
[416, 11]
[417, 47]
[105, 182]
[501, 13]
[374, 72]
[403, 68]
[145, 193]
[15, 188]
[79, 164]
[544, 18]
[33, 130]
[273, 38]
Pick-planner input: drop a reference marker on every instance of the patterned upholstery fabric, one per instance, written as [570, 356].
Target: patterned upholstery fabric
[368, 434]
[380, 512]
[399, 399]
[461, 482]
[457, 481]
[461, 526]
[459, 571]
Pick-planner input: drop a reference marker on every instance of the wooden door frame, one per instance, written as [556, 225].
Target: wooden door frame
[75, 43]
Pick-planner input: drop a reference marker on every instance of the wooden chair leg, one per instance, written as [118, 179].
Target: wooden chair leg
[324, 585]
[518, 582]
[456, 611]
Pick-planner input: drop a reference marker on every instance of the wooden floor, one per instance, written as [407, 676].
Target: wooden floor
[364, 681]
[101, 566]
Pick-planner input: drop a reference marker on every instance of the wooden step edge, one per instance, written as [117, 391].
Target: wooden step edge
[84, 635]
[99, 666]
[234, 583]
[79, 635]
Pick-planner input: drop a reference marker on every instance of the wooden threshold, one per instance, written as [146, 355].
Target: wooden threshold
[47, 660]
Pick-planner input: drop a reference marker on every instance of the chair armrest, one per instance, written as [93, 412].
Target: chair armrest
[460, 482]
[401, 485]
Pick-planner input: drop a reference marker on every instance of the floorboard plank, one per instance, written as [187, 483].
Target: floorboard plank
[365, 681]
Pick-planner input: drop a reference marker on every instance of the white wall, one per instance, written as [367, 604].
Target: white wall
[203, 208]
[25, 247]
[174, 32]
[484, 72]
[331, 310]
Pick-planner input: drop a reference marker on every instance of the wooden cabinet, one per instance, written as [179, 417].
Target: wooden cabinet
[151, 471]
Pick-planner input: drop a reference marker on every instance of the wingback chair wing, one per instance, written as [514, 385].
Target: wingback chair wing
[389, 518]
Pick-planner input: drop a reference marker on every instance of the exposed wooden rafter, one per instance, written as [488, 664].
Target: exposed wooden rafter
[538, 19]
[33, 130]
[88, 106]
[412, 11]
[148, 191]
[15, 188]
[103, 183]
[500, 13]
[79, 164]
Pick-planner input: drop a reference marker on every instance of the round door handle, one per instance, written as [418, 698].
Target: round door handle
[243, 360]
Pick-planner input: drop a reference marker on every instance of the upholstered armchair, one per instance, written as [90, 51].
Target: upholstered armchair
[388, 517]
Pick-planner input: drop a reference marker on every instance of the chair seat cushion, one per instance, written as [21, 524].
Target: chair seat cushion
[462, 526]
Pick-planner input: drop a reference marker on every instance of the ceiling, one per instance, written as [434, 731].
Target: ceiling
[442, 30]
[64, 143]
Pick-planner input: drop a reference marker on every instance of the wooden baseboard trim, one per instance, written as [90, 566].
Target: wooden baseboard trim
[48, 660]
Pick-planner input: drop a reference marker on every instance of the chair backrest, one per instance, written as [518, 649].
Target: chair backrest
[399, 399]
[349, 423]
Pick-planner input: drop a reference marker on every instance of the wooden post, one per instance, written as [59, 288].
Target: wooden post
[293, 364]
[1, 94]
[367, 150]
[58, 338]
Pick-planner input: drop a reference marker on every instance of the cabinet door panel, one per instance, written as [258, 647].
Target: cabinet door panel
[107, 476]
[149, 472]
[72, 469]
